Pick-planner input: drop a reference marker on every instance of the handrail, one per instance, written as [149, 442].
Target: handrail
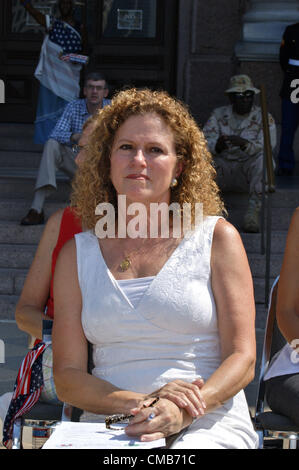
[269, 182]
[267, 143]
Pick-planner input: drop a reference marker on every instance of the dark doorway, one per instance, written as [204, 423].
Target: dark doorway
[132, 41]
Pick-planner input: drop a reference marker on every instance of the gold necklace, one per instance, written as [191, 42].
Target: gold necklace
[125, 264]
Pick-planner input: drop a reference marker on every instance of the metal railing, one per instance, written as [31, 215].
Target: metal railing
[268, 190]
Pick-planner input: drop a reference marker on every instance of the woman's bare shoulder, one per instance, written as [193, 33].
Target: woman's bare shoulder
[68, 249]
[225, 233]
[52, 226]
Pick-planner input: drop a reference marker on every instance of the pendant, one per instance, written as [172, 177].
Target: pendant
[125, 264]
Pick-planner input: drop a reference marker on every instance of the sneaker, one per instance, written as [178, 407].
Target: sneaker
[33, 218]
[251, 222]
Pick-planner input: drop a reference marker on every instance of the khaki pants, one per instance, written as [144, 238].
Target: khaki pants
[241, 174]
[55, 157]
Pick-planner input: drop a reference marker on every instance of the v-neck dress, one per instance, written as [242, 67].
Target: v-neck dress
[171, 333]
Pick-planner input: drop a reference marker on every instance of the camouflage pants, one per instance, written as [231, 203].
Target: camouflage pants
[241, 174]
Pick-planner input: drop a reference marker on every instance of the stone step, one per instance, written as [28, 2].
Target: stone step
[281, 217]
[285, 195]
[14, 159]
[13, 232]
[8, 306]
[261, 317]
[16, 256]
[258, 265]
[14, 209]
[12, 280]
[18, 137]
[12, 129]
[22, 143]
[20, 183]
[24, 173]
[259, 289]
[252, 241]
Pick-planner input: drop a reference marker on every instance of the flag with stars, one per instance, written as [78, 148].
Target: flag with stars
[27, 390]
[65, 36]
[61, 77]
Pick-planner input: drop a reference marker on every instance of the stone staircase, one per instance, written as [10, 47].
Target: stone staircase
[19, 159]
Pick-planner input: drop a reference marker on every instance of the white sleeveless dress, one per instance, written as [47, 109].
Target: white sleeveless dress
[171, 334]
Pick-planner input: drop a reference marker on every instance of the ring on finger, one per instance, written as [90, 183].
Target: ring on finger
[151, 416]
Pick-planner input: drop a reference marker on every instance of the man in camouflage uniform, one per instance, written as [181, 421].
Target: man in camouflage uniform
[235, 138]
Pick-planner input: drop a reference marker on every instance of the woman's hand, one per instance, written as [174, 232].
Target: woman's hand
[185, 395]
[156, 422]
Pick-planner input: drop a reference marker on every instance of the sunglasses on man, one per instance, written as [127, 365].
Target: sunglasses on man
[244, 94]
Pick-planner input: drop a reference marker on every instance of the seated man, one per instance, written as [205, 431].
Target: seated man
[58, 150]
[235, 137]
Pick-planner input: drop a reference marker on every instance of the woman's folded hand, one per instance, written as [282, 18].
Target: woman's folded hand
[163, 419]
[185, 395]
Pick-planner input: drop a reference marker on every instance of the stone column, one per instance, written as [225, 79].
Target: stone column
[263, 26]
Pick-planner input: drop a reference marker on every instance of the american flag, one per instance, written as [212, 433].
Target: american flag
[27, 390]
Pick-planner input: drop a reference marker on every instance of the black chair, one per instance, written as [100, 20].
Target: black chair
[267, 423]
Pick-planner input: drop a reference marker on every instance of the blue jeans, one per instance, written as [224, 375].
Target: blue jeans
[289, 124]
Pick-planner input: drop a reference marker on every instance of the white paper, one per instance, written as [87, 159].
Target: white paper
[72, 435]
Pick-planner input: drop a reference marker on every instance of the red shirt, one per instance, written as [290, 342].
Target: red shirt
[69, 226]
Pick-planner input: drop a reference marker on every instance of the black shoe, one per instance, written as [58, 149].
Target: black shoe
[33, 218]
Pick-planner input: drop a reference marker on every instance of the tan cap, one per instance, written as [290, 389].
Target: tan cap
[241, 83]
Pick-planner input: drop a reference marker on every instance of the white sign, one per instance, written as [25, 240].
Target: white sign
[129, 19]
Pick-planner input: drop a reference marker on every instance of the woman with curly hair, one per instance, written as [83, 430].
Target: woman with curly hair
[171, 318]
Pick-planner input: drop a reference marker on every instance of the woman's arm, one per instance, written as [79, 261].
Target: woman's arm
[37, 15]
[30, 307]
[288, 285]
[233, 292]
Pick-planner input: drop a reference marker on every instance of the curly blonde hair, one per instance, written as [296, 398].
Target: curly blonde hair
[196, 184]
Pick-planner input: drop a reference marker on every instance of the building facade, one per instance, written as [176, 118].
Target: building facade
[188, 47]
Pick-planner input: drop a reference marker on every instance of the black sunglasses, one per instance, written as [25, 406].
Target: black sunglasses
[245, 94]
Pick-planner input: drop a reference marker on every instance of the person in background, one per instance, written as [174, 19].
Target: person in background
[235, 138]
[170, 318]
[58, 153]
[282, 376]
[289, 62]
[36, 303]
[59, 80]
